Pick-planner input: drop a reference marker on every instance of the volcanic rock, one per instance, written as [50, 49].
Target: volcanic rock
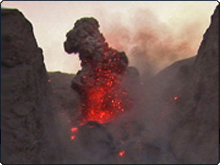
[97, 143]
[188, 96]
[195, 139]
[67, 100]
[25, 103]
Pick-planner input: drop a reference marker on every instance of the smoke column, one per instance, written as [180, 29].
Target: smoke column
[100, 80]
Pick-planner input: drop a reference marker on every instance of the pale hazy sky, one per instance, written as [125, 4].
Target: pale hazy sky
[53, 19]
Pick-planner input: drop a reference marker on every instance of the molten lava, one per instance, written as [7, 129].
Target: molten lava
[121, 153]
[74, 129]
[72, 137]
[104, 100]
[175, 98]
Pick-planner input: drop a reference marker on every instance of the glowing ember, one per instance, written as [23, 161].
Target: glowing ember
[121, 153]
[74, 129]
[72, 137]
[103, 104]
[175, 98]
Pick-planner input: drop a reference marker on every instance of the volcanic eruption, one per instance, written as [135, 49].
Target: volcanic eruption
[171, 118]
[99, 82]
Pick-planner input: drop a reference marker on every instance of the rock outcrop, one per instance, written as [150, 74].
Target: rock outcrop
[195, 138]
[25, 103]
[190, 90]
[182, 104]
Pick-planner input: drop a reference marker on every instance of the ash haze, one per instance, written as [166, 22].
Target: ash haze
[144, 30]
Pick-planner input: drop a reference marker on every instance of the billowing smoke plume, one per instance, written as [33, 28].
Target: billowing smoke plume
[103, 68]
[151, 44]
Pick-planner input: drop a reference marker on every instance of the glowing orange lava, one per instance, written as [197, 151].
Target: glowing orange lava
[121, 153]
[175, 98]
[103, 104]
[74, 129]
[105, 97]
[72, 137]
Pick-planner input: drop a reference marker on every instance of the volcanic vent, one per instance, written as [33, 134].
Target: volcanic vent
[99, 82]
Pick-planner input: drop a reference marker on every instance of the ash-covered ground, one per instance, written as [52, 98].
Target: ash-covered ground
[49, 118]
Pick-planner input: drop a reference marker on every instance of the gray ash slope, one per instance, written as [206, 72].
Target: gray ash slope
[188, 129]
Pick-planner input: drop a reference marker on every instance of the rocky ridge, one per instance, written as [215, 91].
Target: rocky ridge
[25, 101]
